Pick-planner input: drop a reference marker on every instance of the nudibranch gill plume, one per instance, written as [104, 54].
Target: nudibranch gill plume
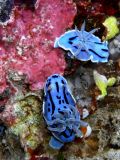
[61, 114]
[83, 45]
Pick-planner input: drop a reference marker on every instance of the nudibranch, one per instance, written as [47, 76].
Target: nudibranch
[102, 83]
[83, 45]
[61, 114]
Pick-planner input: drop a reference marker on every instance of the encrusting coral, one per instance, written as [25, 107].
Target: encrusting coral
[24, 121]
[27, 42]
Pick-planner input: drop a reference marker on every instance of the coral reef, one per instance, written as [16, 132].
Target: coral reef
[114, 48]
[96, 11]
[97, 8]
[29, 4]
[80, 84]
[2, 129]
[24, 121]
[28, 57]
[10, 147]
[115, 135]
[27, 42]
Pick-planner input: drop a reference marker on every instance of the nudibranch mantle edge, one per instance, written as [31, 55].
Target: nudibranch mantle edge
[83, 45]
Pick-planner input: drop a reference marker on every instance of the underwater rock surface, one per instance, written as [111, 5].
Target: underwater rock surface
[80, 83]
[27, 58]
[114, 48]
[27, 42]
[24, 121]
[104, 120]
[6, 7]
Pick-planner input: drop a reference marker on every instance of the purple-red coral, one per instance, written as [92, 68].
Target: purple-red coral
[27, 42]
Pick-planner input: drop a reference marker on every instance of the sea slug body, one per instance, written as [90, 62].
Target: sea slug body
[83, 45]
[60, 112]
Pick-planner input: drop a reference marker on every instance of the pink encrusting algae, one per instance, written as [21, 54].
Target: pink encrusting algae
[27, 42]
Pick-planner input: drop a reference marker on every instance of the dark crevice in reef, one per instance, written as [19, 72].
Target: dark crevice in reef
[2, 107]
[114, 146]
[5, 94]
[6, 7]
[29, 4]
[2, 129]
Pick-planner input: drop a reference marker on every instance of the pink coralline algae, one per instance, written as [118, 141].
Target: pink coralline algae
[26, 44]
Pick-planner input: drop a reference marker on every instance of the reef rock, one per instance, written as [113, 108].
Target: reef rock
[114, 48]
[27, 42]
[24, 120]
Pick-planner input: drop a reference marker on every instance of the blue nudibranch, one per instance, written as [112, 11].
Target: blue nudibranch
[60, 112]
[83, 45]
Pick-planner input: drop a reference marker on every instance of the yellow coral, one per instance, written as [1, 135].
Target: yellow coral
[112, 27]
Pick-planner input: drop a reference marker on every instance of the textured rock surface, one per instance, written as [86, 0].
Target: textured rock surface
[114, 48]
[27, 42]
[104, 119]
[104, 142]
[26, 122]
[6, 7]
[80, 83]
[26, 59]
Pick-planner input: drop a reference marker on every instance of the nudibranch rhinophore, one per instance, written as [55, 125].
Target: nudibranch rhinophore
[61, 114]
[83, 45]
